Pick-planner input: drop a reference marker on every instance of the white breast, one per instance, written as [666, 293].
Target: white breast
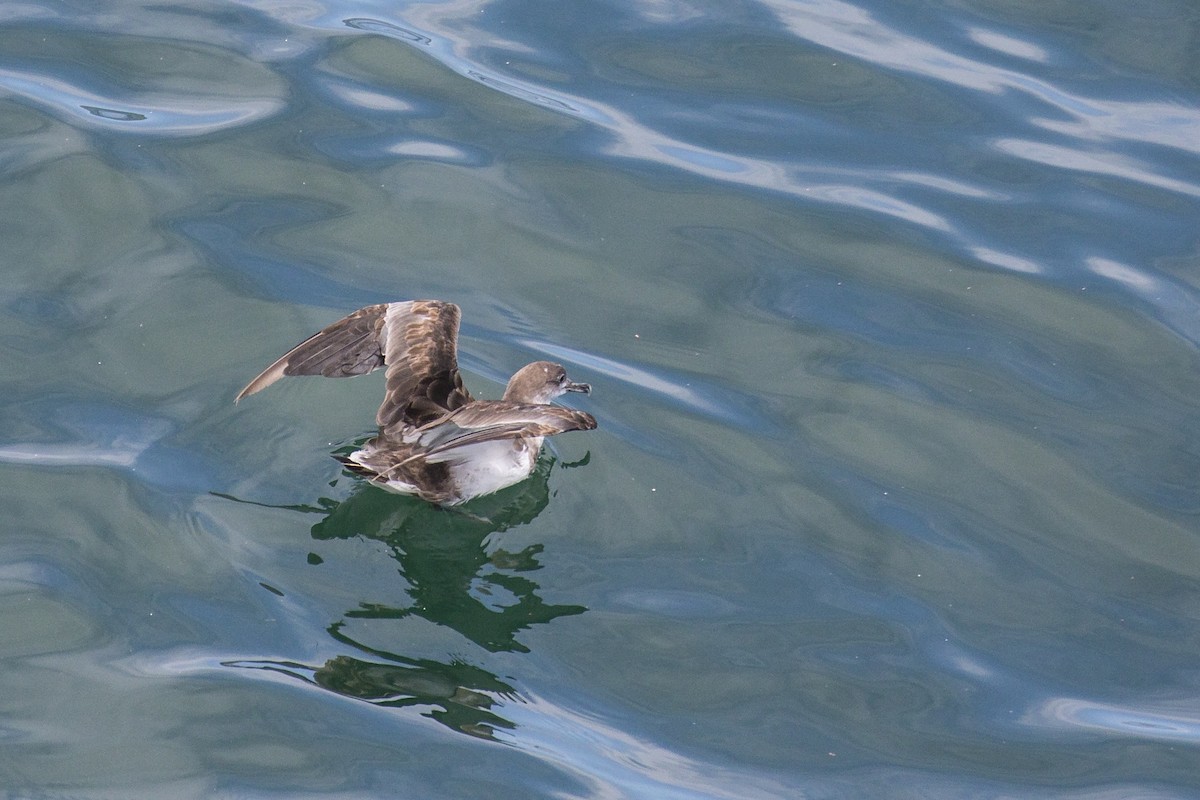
[487, 467]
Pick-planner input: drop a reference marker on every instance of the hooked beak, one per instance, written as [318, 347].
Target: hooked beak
[579, 387]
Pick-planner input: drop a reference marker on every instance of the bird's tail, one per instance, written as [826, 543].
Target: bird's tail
[358, 469]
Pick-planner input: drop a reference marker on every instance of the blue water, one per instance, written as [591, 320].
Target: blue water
[891, 314]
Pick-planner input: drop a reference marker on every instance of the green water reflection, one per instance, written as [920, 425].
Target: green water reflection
[454, 580]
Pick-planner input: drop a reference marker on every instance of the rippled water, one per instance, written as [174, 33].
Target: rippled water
[891, 313]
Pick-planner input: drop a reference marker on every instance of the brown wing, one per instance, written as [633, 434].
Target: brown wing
[350, 346]
[421, 351]
[489, 421]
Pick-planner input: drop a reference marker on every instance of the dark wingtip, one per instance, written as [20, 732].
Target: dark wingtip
[355, 468]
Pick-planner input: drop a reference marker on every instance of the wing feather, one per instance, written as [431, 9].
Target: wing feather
[418, 343]
[350, 346]
[423, 381]
[486, 421]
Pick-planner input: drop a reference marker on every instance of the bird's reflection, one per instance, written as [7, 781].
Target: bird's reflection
[454, 580]
[456, 694]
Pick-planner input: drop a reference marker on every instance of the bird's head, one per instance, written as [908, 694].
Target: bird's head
[541, 382]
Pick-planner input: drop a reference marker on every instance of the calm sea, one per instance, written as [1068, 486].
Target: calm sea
[891, 312]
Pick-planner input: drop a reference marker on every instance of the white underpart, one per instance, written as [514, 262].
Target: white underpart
[487, 467]
[476, 469]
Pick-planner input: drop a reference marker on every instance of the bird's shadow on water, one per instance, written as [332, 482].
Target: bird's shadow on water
[455, 580]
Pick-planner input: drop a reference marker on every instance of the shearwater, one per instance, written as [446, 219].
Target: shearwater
[435, 441]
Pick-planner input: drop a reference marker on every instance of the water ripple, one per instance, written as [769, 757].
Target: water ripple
[100, 435]
[616, 762]
[149, 112]
[387, 29]
[936, 253]
[443, 50]
[1177, 720]
[1008, 44]
[1109, 164]
[858, 33]
[697, 395]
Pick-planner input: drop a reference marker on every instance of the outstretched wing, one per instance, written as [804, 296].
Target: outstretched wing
[416, 340]
[421, 351]
[491, 421]
[350, 346]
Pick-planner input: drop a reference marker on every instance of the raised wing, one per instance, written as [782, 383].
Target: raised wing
[350, 346]
[421, 351]
[417, 341]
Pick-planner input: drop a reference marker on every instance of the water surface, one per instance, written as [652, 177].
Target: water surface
[891, 315]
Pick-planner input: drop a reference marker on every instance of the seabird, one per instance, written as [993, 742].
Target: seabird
[435, 441]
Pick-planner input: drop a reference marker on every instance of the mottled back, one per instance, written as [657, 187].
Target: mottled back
[423, 382]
